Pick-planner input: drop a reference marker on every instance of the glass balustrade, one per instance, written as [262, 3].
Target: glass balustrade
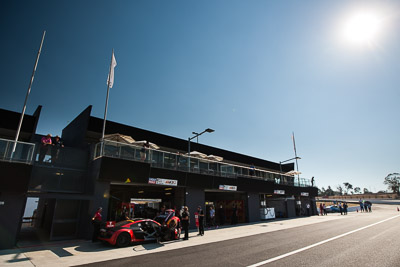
[23, 151]
[180, 162]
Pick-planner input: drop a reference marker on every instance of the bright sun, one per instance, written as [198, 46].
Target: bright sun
[362, 28]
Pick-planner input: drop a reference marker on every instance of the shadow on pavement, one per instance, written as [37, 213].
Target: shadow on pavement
[148, 246]
[94, 247]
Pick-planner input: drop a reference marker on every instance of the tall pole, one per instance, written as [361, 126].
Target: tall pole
[189, 153]
[295, 154]
[27, 94]
[106, 107]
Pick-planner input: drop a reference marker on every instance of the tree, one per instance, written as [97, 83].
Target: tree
[357, 190]
[348, 187]
[329, 191]
[339, 189]
[366, 191]
[392, 180]
[321, 192]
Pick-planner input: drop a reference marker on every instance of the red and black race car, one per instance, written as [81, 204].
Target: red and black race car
[140, 230]
[126, 232]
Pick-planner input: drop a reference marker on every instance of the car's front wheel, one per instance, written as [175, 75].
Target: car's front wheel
[123, 240]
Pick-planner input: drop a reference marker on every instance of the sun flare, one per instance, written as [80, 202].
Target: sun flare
[362, 28]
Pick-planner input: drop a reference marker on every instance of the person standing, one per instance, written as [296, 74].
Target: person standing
[340, 208]
[234, 214]
[324, 208]
[55, 149]
[361, 205]
[200, 213]
[45, 142]
[124, 214]
[321, 209]
[185, 222]
[252, 169]
[212, 217]
[96, 221]
[345, 208]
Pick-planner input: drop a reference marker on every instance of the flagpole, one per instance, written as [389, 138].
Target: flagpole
[105, 110]
[295, 154]
[27, 95]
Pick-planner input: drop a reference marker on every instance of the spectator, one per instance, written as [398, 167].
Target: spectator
[45, 142]
[212, 217]
[252, 169]
[55, 149]
[143, 151]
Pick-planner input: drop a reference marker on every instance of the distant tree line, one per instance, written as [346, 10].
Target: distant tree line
[392, 181]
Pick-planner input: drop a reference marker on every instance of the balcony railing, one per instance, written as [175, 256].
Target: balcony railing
[23, 151]
[180, 162]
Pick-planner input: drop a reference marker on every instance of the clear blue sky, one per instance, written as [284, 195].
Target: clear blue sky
[255, 71]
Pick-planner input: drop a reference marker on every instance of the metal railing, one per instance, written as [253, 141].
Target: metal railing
[180, 162]
[23, 151]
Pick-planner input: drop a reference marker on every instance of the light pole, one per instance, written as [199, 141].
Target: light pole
[280, 163]
[196, 135]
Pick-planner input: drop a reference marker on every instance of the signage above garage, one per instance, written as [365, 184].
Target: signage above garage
[227, 187]
[279, 192]
[160, 181]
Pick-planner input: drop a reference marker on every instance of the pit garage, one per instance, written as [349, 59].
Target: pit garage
[143, 201]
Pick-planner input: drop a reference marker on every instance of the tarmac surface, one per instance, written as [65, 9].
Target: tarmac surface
[80, 252]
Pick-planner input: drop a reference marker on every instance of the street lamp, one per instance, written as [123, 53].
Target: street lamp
[280, 163]
[196, 135]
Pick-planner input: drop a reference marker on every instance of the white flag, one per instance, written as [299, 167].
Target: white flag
[110, 78]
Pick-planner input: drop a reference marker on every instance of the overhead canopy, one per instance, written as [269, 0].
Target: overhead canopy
[216, 158]
[197, 154]
[142, 142]
[117, 137]
[292, 173]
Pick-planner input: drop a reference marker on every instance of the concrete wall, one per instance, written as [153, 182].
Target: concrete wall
[11, 209]
[291, 208]
[253, 207]
[194, 198]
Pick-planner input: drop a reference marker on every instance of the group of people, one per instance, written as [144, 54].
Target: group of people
[343, 208]
[365, 206]
[48, 143]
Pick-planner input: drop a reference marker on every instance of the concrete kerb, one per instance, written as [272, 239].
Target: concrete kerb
[79, 252]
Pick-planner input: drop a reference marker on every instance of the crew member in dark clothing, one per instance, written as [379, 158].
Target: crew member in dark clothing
[185, 222]
[201, 220]
[124, 214]
[234, 215]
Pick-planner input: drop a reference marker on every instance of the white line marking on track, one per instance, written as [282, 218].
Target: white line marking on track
[317, 244]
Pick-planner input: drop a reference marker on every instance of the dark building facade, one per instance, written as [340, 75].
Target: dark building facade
[116, 173]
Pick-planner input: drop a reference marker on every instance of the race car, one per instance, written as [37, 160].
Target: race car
[127, 232]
